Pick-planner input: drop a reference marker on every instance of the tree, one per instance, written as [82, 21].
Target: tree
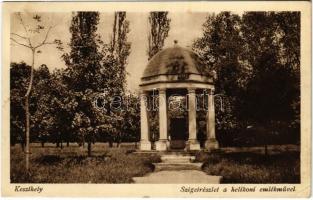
[49, 103]
[114, 63]
[159, 28]
[158, 32]
[84, 75]
[131, 118]
[275, 63]
[31, 31]
[115, 56]
[40, 99]
[220, 48]
[256, 59]
[19, 78]
[120, 48]
[289, 26]
[55, 107]
[273, 91]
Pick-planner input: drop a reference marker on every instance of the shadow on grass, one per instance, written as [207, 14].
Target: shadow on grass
[71, 159]
[105, 166]
[49, 159]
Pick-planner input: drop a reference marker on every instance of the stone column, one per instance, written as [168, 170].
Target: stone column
[192, 143]
[161, 144]
[145, 144]
[211, 142]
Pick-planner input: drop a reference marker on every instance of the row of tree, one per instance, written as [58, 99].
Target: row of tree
[61, 106]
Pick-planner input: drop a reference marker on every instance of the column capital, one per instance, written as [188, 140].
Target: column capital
[211, 91]
[162, 90]
[191, 90]
[143, 92]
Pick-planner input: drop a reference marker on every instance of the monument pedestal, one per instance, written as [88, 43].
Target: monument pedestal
[211, 144]
[192, 145]
[145, 145]
[161, 145]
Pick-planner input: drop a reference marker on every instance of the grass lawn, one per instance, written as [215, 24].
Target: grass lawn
[250, 165]
[118, 165]
[71, 164]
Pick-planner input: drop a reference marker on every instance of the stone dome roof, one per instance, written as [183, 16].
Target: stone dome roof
[175, 61]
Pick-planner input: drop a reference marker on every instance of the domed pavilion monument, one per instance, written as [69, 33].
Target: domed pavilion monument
[177, 70]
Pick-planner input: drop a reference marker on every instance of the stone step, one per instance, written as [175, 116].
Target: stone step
[169, 166]
[177, 156]
[177, 159]
[178, 153]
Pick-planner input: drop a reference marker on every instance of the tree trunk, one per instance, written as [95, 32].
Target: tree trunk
[110, 144]
[83, 142]
[265, 150]
[27, 149]
[89, 148]
[119, 140]
[27, 123]
[23, 145]
[67, 143]
[61, 144]
[57, 144]
[42, 144]
[27, 108]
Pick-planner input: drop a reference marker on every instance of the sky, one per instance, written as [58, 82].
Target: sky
[184, 27]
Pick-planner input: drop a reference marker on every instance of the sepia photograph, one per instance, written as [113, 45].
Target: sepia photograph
[156, 96]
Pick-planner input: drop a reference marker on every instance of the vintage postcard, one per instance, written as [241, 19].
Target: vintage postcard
[156, 99]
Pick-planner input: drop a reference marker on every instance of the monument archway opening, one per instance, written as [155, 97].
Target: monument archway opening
[178, 118]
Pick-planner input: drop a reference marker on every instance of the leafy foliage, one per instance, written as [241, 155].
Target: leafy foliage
[116, 54]
[84, 73]
[114, 63]
[255, 57]
[220, 48]
[19, 74]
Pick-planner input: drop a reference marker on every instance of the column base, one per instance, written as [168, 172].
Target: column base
[161, 145]
[145, 145]
[211, 144]
[192, 145]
